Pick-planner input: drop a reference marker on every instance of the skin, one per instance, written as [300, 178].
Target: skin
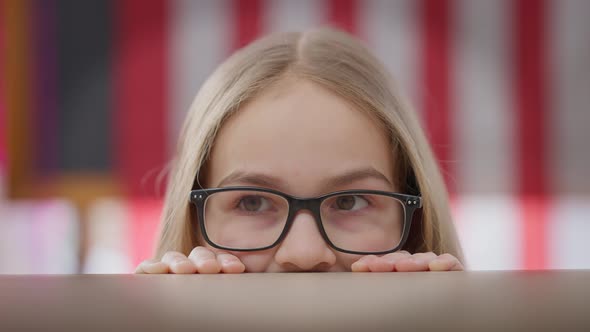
[301, 139]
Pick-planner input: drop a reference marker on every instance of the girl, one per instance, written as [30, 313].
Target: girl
[298, 154]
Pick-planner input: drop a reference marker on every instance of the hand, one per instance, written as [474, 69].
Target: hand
[200, 260]
[403, 261]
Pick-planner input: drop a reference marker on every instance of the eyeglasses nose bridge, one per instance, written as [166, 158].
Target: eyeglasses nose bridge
[312, 205]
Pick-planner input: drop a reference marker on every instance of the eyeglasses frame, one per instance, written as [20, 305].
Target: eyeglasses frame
[410, 203]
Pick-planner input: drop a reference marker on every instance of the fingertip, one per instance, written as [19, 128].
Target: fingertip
[155, 268]
[381, 265]
[456, 263]
[209, 266]
[411, 264]
[359, 266]
[363, 264]
[139, 270]
[439, 265]
[230, 263]
[445, 263]
[184, 266]
[199, 251]
[233, 267]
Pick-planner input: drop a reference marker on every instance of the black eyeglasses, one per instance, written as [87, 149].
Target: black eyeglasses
[352, 221]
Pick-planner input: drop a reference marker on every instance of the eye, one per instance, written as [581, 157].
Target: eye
[351, 202]
[254, 204]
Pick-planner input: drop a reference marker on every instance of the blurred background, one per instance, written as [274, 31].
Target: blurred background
[93, 92]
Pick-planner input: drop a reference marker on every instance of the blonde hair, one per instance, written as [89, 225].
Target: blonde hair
[340, 63]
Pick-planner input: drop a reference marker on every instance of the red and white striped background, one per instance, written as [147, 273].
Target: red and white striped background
[502, 87]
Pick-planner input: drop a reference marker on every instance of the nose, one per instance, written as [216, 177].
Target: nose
[304, 249]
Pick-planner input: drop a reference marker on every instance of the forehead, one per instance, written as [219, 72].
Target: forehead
[301, 132]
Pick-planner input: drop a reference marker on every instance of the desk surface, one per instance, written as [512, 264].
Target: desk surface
[551, 300]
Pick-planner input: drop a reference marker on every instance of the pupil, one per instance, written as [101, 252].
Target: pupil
[252, 203]
[345, 202]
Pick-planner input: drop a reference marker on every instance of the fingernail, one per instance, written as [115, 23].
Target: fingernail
[177, 263]
[227, 261]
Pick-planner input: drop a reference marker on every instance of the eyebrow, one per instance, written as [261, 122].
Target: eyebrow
[257, 179]
[263, 180]
[357, 175]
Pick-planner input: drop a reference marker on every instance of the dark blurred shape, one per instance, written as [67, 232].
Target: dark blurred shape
[84, 35]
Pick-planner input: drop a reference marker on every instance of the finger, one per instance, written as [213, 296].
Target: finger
[230, 263]
[445, 262]
[386, 263]
[178, 263]
[152, 266]
[362, 264]
[204, 259]
[414, 263]
[139, 268]
[372, 263]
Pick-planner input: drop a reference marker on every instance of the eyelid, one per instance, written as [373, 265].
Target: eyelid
[368, 198]
[267, 200]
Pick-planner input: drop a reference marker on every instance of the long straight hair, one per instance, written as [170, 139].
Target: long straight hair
[340, 63]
